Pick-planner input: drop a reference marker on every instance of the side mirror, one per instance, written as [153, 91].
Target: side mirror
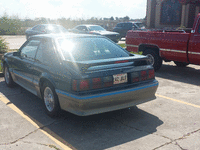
[16, 53]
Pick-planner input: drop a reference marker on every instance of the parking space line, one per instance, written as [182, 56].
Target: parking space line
[179, 101]
[13, 107]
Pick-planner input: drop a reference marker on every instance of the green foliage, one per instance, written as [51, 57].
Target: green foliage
[140, 53]
[10, 25]
[122, 45]
[181, 27]
[0, 67]
[3, 45]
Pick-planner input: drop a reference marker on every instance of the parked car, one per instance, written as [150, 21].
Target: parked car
[82, 74]
[97, 30]
[180, 46]
[45, 29]
[123, 27]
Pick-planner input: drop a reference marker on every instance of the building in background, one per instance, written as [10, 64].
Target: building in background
[171, 13]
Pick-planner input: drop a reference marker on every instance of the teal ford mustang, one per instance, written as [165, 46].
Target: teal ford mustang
[81, 74]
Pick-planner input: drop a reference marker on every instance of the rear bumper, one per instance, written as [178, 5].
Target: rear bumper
[105, 102]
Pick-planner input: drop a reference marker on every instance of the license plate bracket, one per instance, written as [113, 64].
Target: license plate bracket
[120, 78]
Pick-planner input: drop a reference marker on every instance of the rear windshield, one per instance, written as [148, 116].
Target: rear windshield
[96, 28]
[55, 29]
[140, 25]
[83, 49]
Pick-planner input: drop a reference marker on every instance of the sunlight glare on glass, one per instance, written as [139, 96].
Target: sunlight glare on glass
[50, 27]
[67, 45]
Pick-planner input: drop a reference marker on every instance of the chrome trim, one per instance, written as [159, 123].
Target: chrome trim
[196, 53]
[171, 50]
[132, 45]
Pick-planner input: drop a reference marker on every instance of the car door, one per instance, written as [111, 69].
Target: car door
[46, 62]
[194, 47]
[23, 64]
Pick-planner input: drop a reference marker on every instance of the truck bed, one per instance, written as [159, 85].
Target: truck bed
[172, 45]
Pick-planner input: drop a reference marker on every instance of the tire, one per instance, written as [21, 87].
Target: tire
[7, 76]
[155, 59]
[181, 64]
[50, 100]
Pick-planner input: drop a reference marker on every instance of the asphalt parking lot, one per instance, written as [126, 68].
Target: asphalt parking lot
[171, 122]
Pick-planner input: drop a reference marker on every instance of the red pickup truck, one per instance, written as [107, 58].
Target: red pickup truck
[182, 47]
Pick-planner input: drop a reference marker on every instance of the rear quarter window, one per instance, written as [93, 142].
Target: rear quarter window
[46, 53]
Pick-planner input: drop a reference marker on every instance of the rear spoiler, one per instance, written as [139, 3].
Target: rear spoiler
[83, 66]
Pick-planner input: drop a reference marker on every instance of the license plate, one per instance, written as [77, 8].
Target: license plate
[120, 78]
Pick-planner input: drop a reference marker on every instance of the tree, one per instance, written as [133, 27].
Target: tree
[10, 25]
[111, 18]
[126, 18]
[3, 45]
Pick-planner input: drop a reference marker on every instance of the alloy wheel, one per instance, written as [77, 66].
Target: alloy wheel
[7, 75]
[49, 99]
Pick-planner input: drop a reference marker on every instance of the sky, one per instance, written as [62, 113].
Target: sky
[74, 9]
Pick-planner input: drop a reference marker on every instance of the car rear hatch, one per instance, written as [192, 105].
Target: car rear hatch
[114, 72]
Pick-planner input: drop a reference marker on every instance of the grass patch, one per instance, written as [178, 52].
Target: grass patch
[0, 67]
[140, 53]
[122, 45]
[12, 50]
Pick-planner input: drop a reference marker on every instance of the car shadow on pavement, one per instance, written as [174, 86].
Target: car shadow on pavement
[189, 74]
[101, 131]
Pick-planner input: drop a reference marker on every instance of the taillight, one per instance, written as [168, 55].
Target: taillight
[143, 75]
[108, 81]
[96, 83]
[84, 85]
[151, 74]
[135, 77]
[74, 85]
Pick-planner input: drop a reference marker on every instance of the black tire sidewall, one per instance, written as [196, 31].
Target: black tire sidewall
[157, 59]
[10, 80]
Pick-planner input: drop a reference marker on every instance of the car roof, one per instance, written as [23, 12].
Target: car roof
[46, 25]
[88, 25]
[64, 35]
[129, 22]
